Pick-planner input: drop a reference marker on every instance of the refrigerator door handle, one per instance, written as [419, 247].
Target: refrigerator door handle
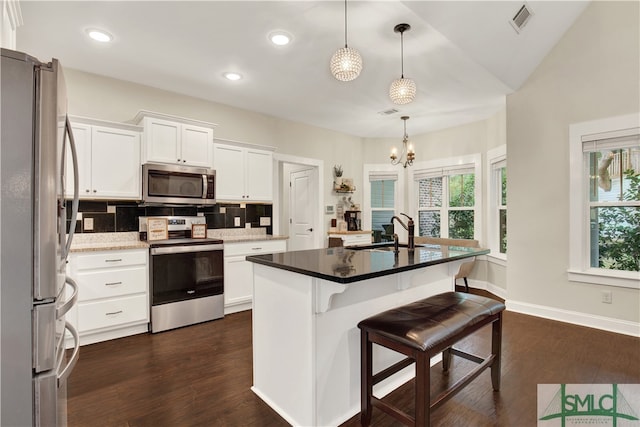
[64, 374]
[64, 308]
[76, 186]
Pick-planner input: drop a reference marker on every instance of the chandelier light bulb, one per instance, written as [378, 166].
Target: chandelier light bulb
[346, 64]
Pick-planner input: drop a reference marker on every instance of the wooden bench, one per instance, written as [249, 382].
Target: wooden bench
[421, 330]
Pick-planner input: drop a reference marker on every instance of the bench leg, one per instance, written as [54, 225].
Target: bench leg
[496, 350]
[366, 379]
[422, 392]
[446, 359]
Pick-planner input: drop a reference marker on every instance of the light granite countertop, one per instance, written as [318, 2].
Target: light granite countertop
[88, 242]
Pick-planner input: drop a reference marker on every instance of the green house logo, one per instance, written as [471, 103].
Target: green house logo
[588, 404]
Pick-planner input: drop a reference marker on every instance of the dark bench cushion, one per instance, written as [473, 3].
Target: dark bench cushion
[426, 323]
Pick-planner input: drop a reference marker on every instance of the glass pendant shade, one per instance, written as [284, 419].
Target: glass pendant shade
[402, 91]
[346, 64]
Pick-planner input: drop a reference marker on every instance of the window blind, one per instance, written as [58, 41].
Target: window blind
[616, 140]
[448, 171]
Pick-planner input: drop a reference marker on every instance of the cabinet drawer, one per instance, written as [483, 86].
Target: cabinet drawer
[112, 312]
[111, 259]
[255, 248]
[111, 283]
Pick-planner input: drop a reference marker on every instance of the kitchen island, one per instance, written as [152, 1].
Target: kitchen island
[306, 305]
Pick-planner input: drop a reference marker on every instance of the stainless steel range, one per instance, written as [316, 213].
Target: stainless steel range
[186, 275]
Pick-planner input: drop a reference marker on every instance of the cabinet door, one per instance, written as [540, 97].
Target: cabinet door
[82, 138]
[196, 146]
[115, 163]
[259, 172]
[228, 162]
[238, 281]
[162, 140]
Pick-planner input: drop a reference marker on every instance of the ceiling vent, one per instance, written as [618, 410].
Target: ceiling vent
[521, 18]
[388, 112]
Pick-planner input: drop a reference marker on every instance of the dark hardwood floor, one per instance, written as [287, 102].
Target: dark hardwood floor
[201, 375]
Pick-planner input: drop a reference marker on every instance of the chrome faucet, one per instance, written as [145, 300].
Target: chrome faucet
[410, 227]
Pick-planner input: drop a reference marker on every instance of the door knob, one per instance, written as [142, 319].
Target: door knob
[309, 229]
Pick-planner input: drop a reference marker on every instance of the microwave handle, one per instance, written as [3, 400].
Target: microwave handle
[204, 186]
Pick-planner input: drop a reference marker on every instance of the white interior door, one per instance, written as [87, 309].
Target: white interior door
[302, 205]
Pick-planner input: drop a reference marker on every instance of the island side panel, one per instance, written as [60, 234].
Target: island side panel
[337, 362]
[283, 345]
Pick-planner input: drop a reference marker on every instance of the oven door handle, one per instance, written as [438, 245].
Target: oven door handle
[186, 249]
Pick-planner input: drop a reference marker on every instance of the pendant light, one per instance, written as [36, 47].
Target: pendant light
[346, 63]
[402, 91]
[407, 149]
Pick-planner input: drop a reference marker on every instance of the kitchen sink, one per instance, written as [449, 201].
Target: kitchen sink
[384, 247]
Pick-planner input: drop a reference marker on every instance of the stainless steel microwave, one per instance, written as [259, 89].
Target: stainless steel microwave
[178, 185]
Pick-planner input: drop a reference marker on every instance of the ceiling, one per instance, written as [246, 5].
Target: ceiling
[464, 56]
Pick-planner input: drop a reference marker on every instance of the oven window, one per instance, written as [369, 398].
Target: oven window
[175, 185]
[183, 276]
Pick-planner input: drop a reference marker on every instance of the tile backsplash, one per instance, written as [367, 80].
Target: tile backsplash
[115, 216]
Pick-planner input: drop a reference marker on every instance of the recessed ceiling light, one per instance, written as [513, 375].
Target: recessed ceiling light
[232, 76]
[280, 38]
[99, 35]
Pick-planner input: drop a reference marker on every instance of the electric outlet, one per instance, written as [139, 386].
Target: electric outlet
[88, 224]
[111, 209]
[606, 297]
[236, 221]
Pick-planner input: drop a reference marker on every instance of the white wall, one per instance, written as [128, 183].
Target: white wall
[592, 73]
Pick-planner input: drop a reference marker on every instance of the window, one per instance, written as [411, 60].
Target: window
[497, 202]
[382, 202]
[447, 196]
[605, 202]
[382, 198]
[612, 168]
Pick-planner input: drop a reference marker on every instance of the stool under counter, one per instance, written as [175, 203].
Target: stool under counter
[421, 330]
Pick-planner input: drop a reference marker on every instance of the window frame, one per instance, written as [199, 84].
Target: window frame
[580, 269]
[381, 169]
[470, 161]
[495, 156]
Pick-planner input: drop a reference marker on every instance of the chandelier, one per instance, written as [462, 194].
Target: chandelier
[346, 63]
[407, 149]
[402, 90]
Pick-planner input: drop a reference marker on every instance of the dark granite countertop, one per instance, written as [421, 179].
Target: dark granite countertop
[345, 265]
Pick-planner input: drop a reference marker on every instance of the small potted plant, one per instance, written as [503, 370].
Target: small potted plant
[337, 171]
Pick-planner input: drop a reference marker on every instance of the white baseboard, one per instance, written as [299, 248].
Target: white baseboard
[574, 317]
[489, 287]
[583, 319]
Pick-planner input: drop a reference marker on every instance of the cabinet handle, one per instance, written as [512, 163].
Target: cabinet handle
[256, 249]
[86, 191]
[191, 291]
[113, 313]
[178, 159]
[113, 260]
[184, 161]
[113, 283]
[95, 191]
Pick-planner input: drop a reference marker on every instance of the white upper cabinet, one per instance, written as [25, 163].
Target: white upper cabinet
[243, 173]
[175, 140]
[108, 160]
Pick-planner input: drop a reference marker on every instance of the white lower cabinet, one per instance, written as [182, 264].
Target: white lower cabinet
[113, 294]
[238, 272]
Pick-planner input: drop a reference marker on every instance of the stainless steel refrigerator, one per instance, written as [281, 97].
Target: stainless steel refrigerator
[35, 294]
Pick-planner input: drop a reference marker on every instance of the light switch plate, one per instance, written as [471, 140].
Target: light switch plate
[88, 224]
[236, 221]
[111, 209]
[265, 221]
